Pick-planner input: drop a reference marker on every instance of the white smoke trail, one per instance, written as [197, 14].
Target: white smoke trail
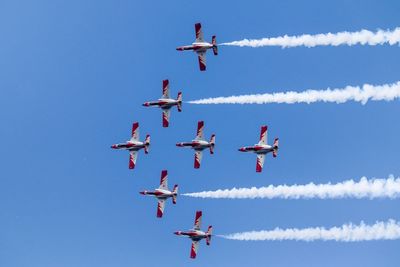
[373, 188]
[363, 37]
[386, 92]
[389, 230]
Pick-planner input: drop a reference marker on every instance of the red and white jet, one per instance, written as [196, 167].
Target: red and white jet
[196, 234]
[262, 148]
[162, 193]
[199, 144]
[166, 103]
[200, 46]
[134, 145]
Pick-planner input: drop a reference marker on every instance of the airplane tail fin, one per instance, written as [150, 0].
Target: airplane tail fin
[147, 144]
[275, 147]
[214, 43]
[209, 235]
[179, 98]
[212, 143]
[175, 192]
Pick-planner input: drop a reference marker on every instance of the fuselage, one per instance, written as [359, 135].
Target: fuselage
[258, 149]
[129, 145]
[196, 47]
[163, 103]
[195, 235]
[195, 144]
[159, 193]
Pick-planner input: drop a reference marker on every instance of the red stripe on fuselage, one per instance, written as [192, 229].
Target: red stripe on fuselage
[128, 146]
[194, 47]
[154, 193]
[192, 234]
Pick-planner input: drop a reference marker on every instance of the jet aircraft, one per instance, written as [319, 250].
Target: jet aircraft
[134, 145]
[262, 148]
[166, 103]
[162, 193]
[200, 46]
[199, 144]
[196, 235]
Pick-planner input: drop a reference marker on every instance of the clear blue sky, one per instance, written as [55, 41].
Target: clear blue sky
[73, 75]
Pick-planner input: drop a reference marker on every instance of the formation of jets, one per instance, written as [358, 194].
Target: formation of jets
[198, 144]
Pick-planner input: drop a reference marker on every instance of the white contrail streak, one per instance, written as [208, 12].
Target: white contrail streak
[363, 94]
[363, 37]
[373, 188]
[389, 230]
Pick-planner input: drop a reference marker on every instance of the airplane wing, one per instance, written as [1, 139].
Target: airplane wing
[199, 133]
[164, 180]
[165, 117]
[202, 60]
[260, 162]
[160, 207]
[263, 135]
[135, 131]
[197, 220]
[132, 159]
[199, 33]
[165, 89]
[193, 249]
[197, 158]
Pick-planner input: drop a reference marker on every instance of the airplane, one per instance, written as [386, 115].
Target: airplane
[162, 193]
[262, 148]
[199, 144]
[134, 145]
[166, 103]
[200, 46]
[196, 235]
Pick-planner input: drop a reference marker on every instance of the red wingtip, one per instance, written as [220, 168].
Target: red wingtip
[159, 214]
[258, 166]
[196, 164]
[200, 126]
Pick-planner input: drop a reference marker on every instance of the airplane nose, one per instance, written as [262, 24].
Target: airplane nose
[178, 144]
[142, 192]
[242, 149]
[177, 232]
[114, 146]
[145, 104]
[179, 48]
